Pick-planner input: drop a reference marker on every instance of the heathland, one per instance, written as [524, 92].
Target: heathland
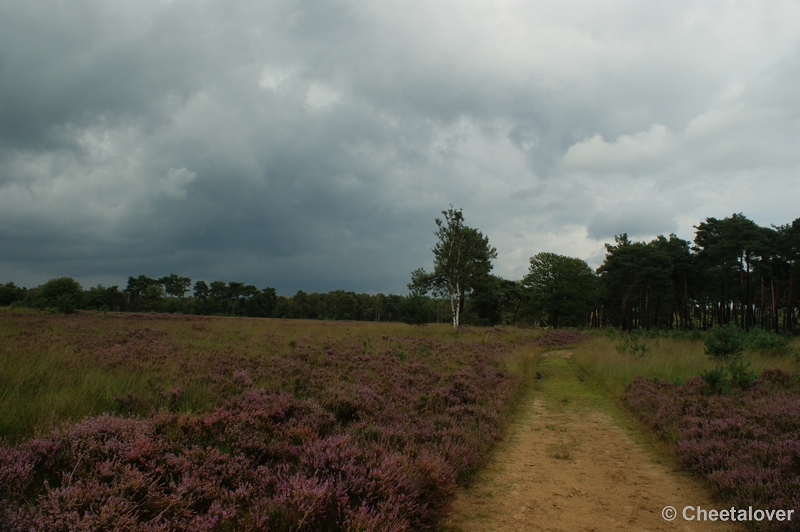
[130, 421]
[168, 422]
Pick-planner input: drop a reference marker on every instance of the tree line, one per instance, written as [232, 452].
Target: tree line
[177, 294]
[734, 272]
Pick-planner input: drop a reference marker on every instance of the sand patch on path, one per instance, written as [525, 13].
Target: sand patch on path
[570, 468]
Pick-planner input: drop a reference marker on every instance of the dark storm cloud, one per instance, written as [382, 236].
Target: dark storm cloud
[310, 145]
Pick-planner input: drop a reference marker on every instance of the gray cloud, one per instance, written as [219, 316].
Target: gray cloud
[310, 145]
[638, 220]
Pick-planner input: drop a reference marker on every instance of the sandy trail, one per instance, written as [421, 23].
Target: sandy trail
[566, 466]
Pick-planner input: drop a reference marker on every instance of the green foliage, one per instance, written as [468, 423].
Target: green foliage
[493, 301]
[718, 382]
[631, 344]
[561, 289]
[175, 285]
[417, 309]
[462, 258]
[65, 304]
[645, 284]
[103, 298]
[741, 377]
[11, 293]
[725, 342]
[63, 294]
[767, 343]
[690, 335]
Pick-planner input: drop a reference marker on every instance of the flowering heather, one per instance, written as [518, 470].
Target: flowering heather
[746, 444]
[555, 338]
[320, 432]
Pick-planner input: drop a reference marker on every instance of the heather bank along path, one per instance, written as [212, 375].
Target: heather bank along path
[566, 465]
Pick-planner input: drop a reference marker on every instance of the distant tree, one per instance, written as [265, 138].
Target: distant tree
[728, 249]
[175, 285]
[391, 307]
[141, 293]
[235, 293]
[492, 301]
[562, 289]
[417, 309]
[63, 293]
[298, 306]
[103, 298]
[248, 293]
[462, 258]
[201, 290]
[220, 298]
[376, 310]
[787, 254]
[341, 305]
[364, 306]
[11, 293]
[282, 307]
[262, 303]
[316, 306]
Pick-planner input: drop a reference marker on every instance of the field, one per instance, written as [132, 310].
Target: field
[167, 422]
[164, 422]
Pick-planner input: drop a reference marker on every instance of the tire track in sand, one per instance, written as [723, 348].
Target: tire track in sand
[565, 466]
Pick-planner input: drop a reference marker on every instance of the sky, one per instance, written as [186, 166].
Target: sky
[310, 145]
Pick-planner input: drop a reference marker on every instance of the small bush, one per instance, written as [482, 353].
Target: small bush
[718, 383]
[65, 304]
[631, 344]
[725, 342]
[767, 343]
[691, 335]
[740, 376]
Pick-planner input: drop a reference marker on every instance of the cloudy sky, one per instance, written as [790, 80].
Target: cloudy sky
[309, 145]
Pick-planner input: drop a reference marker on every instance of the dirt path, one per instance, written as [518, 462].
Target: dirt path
[567, 466]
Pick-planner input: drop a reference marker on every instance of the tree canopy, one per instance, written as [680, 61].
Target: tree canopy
[561, 290]
[462, 259]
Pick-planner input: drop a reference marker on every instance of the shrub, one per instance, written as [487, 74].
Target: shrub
[740, 376]
[718, 383]
[725, 342]
[767, 343]
[630, 343]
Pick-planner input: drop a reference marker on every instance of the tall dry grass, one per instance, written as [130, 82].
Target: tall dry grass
[667, 359]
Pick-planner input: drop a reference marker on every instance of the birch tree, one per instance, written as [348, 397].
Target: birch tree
[461, 258]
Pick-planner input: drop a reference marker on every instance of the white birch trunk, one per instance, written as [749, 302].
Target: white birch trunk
[455, 305]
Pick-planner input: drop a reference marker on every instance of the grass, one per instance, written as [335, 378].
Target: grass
[665, 359]
[56, 368]
[375, 422]
[561, 387]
